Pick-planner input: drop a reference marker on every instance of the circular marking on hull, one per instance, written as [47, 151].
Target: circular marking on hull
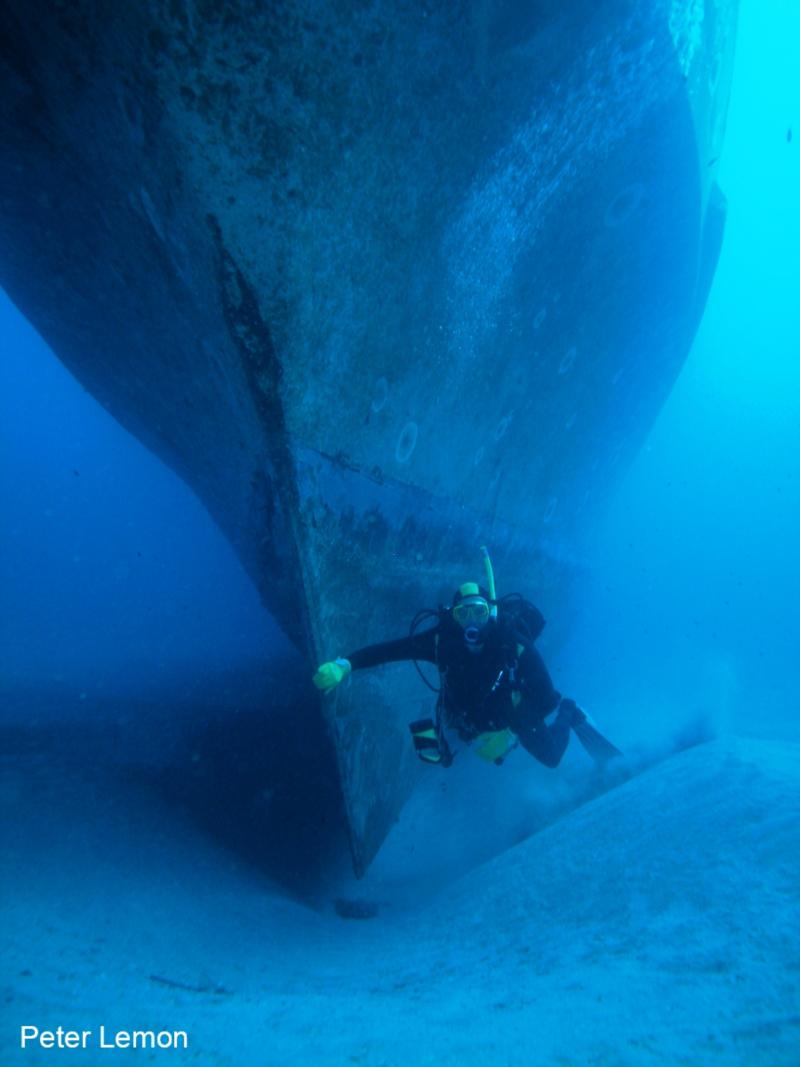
[624, 204]
[567, 360]
[502, 427]
[151, 214]
[380, 396]
[406, 442]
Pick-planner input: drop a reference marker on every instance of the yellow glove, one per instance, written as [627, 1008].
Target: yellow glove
[329, 675]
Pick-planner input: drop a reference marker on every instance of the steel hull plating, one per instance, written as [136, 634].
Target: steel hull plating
[379, 283]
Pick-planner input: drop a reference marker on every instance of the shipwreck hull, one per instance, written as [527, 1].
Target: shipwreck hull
[379, 283]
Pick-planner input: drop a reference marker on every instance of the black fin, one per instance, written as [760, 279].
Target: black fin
[599, 748]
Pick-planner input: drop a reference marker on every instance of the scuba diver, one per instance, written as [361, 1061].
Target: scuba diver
[495, 690]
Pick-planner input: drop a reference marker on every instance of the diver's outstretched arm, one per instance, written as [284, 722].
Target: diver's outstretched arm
[421, 646]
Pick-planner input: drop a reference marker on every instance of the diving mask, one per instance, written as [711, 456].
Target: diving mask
[473, 611]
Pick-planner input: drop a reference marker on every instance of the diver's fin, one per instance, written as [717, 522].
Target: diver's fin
[599, 748]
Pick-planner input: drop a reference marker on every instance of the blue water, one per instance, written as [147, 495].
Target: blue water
[696, 574]
[110, 564]
[121, 602]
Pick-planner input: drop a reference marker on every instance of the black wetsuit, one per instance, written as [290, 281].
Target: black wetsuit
[497, 688]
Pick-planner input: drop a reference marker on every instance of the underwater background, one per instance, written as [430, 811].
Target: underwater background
[174, 849]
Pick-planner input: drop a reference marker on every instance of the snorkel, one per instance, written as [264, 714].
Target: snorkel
[477, 607]
[487, 566]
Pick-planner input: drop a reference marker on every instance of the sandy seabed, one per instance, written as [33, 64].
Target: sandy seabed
[657, 924]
